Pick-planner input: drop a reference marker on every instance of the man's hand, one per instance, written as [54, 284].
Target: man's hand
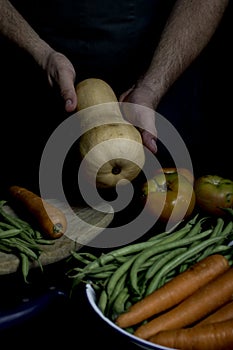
[140, 111]
[60, 71]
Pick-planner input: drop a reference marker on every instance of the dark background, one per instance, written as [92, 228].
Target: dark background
[72, 320]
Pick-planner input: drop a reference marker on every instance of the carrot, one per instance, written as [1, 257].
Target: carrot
[174, 291]
[215, 336]
[205, 300]
[50, 219]
[224, 313]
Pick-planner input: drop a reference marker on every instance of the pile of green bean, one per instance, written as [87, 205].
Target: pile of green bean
[127, 274]
[18, 237]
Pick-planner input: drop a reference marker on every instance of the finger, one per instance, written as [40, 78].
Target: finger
[149, 141]
[68, 92]
[123, 96]
[70, 98]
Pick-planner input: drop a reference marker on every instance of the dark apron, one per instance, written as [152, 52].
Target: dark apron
[113, 40]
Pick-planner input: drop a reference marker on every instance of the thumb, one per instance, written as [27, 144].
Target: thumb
[69, 95]
[67, 89]
[70, 99]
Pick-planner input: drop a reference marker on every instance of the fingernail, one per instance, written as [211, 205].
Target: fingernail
[68, 103]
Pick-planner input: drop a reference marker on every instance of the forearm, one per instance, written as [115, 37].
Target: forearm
[189, 28]
[15, 28]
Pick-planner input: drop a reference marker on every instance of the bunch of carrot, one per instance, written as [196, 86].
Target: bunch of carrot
[129, 274]
[189, 297]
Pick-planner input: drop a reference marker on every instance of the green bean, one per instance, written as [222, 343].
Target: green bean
[9, 233]
[228, 229]
[22, 243]
[123, 253]
[216, 231]
[9, 218]
[151, 261]
[177, 261]
[228, 210]
[82, 277]
[21, 248]
[101, 275]
[216, 249]
[102, 301]
[7, 226]
[218, 228]
[119, 286]
[44, 241]
[130, 249]
[102, 261]
[161, 236]
[229, 258]
[171, 232]
[5, 248]
[24, 237]
[109, 267]
[37, 235]
[171, 274]
[158, 248]
[193, 229]
[18, 237]
[197, 227]
[156, 267]
[24, 224]
[158, 236]
[183, 267]
[77, 279]
[119, 303]
[127, 250]
[166, 279]
[24, 266]
[118, 274]
[74, 269]
[82, 257]
[222, 249]
[16, 222]
[135, 270]
[121, 259]
[174, 236]
[168, 256]
[89, 256]
[163, 280]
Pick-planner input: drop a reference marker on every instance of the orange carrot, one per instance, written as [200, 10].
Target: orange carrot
[50, 219]
[176, 290]
[215, 336]
[205, 300]
[224, 313]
